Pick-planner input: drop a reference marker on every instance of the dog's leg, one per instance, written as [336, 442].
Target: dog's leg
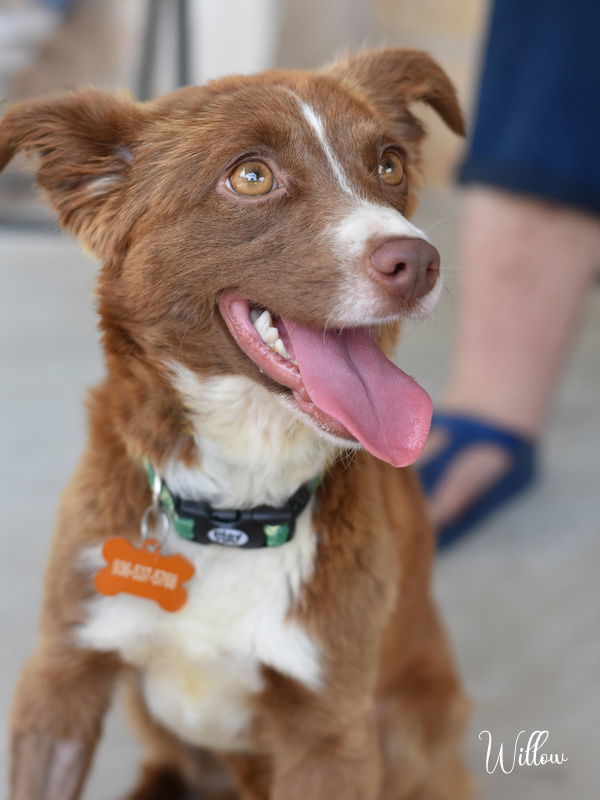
[418, 763]
[324, 745]
[422, 714]
[252, 775]
[57, 715]
[343, 764]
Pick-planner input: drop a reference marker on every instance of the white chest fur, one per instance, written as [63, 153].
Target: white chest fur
[200, 665]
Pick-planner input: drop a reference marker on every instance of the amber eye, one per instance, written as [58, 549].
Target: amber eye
[251, 178]
[391, 168]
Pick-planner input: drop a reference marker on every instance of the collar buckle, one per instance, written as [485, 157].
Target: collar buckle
[252, 528]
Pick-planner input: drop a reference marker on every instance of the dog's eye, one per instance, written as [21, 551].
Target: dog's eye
[391, 168]
[251, 178]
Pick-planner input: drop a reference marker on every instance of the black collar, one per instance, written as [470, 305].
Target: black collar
[261, 526]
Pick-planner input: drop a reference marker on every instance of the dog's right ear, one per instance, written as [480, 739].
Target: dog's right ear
[395, 78]
[84, 142]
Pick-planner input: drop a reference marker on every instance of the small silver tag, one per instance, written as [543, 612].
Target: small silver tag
[228, 537]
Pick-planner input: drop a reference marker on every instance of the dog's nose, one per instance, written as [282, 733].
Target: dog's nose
[406, 267]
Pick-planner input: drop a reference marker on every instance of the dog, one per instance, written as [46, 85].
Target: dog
[240, 544]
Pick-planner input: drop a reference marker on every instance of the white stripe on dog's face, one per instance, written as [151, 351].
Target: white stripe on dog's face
[316, 123]
[361, 226]
[366, 220]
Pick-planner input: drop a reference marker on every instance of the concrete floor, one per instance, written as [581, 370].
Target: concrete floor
[521, 599]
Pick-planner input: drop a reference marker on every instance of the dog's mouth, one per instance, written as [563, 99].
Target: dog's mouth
[338, 377]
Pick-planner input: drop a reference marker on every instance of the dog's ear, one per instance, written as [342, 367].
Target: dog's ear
[393, 79]
[83, 141]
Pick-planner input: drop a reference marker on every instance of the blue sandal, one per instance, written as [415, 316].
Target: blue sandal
[464, 432]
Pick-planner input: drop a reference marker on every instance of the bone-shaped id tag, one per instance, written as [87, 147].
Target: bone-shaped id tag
[144, 572]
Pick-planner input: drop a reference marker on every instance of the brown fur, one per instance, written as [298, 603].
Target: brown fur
[387, 724]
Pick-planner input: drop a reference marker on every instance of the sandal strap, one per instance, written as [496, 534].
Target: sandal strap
[464, 432]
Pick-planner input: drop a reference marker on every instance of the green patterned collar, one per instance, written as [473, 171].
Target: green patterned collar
[262, 526]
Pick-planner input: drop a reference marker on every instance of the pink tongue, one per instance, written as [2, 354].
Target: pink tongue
[346, 375]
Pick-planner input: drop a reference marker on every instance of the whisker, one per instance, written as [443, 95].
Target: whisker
[444, 219]
[450, 295]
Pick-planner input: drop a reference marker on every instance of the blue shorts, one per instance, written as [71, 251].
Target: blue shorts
[537, 120]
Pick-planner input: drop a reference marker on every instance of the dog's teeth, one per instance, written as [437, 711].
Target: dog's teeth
[268, 332]
[279, 348]
[263, 323]
[265, 318]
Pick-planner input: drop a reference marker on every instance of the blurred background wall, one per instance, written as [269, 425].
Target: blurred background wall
[46, 45]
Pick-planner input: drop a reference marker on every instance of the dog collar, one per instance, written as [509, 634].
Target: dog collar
[251, 528]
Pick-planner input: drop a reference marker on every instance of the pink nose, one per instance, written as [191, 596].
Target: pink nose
[407, 268]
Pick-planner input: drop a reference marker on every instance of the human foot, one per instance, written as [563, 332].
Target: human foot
[470, 468]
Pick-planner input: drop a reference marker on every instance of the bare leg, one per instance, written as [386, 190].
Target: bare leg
[527, 265]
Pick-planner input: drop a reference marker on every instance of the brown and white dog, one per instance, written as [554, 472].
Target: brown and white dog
[256, 257]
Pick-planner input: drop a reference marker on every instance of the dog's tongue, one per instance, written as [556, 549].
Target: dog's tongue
[346, 375]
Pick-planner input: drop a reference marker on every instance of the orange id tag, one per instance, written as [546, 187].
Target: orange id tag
[144, 572]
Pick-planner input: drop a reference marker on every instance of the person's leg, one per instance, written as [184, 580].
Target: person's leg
[526, 267]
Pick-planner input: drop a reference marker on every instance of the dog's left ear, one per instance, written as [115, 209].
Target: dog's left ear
[83, 141]
[393, 79]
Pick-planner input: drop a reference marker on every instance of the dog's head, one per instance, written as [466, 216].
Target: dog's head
[258, 226]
